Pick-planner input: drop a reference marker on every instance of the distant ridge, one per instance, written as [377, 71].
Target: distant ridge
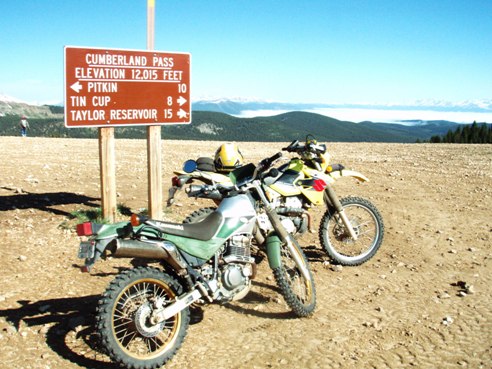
[213, 126]
[239, 106]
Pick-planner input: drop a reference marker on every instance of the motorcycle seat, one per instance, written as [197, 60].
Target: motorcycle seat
[203, 231]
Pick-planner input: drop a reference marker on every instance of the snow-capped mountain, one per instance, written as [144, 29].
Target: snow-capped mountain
[13, 106]
[6, 99]
[422, 110]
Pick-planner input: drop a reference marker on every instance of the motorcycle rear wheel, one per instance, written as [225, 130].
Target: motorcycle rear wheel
[123, 324]
[299, 293]
[368, 225]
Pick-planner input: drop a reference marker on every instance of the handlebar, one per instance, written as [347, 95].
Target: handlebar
[267, 163]
[312, 147]
[293, 146]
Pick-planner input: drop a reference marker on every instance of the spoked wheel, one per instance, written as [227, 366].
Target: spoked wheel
[123, 319]
[367, 224]
[298, 292]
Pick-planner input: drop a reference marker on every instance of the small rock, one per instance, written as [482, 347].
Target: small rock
[444, 295]
[453, 251]
[337, 268]
[10, 330]
[447, 320]
[22, 258]
[462, 294]
[472, 249]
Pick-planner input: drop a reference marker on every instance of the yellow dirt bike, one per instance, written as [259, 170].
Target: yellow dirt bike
[351, 229]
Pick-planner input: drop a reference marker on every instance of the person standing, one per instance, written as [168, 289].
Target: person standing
[24, 125]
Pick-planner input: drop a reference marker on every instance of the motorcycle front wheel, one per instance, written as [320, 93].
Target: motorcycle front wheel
[299, 293]
[123, 322]
[367, 224]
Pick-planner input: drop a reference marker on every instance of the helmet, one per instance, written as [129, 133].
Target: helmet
[228, 157]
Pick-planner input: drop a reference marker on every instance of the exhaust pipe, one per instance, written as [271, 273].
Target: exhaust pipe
[162, 250]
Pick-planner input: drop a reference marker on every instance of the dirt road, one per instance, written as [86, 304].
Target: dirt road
[423, 301]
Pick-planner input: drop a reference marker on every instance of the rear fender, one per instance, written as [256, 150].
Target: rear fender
[115, 230]
[348, 173]
[106, 237]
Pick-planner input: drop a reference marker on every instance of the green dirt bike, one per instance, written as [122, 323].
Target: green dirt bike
[351, 229]
[143, 316]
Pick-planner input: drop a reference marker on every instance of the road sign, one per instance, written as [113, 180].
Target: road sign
[109, 88]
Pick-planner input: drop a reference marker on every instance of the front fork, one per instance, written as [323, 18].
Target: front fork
[286, 238]
[331, 197]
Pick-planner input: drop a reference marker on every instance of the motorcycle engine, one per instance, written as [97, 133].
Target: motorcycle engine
[291, 212]
[237, 269]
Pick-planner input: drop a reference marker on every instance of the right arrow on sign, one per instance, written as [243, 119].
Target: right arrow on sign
[76, 87]
[182, 114]
[181, 101]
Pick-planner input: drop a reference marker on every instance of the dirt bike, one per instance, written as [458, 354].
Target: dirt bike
[351, 229]
[143, 316]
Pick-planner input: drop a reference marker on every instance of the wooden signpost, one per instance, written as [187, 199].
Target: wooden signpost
[109, 88]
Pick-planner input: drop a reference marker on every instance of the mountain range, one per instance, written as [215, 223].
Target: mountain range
[239, 107]
[223, 120]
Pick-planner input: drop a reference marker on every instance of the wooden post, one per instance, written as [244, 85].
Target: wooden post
[107, 164]
[154, 155]
[154, 159]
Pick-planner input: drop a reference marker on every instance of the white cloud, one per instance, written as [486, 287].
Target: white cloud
[383, 115]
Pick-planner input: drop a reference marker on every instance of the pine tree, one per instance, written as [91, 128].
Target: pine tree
[472, 133]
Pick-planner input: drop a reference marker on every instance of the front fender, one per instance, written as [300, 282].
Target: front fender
[273, 244]
[349, 173]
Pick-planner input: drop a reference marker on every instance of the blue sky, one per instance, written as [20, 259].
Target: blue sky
[325, 51]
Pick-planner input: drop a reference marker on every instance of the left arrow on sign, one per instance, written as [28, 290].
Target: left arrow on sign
[76, 87]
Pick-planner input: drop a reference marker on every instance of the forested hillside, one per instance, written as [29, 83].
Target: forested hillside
[214, 126]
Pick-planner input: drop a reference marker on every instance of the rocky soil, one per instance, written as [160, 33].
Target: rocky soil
[423, 301]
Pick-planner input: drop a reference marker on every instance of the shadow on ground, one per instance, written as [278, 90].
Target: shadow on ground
[44, 201]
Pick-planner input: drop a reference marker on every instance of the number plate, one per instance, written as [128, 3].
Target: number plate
[86, 250]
